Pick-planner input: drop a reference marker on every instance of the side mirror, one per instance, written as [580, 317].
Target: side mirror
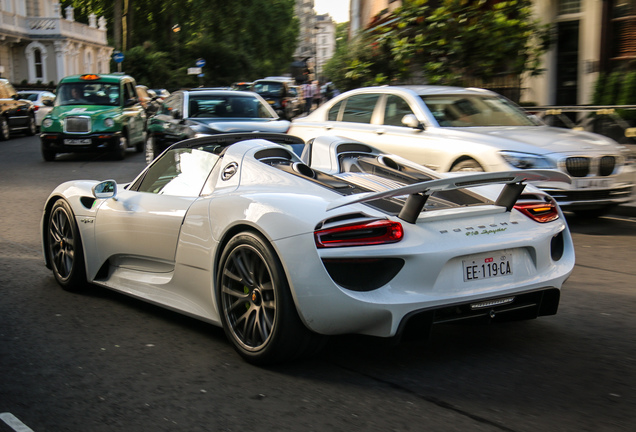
[105, 189]
[176, 114]
[131, 102]
[48, 102]
[411, 121]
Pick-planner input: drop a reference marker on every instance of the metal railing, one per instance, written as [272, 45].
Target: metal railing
[603, 119]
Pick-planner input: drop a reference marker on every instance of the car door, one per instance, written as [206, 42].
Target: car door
[391, 136]
[133, 112]
[170, 117]
[143, 223]
[352, 117]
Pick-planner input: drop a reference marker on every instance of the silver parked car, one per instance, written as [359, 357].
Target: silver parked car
[469, 129]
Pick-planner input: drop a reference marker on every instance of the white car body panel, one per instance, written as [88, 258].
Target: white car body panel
[165, 249]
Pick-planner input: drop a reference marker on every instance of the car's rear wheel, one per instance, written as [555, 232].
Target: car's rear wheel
[64, 247]
[4, 129]
[256, 307]
[467, 165]
[120, 150]
[32, 128]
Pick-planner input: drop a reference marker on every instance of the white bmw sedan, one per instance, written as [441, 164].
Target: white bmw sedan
[469, 129]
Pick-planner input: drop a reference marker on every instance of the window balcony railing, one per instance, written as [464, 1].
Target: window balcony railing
[65, 28]
[43, 26]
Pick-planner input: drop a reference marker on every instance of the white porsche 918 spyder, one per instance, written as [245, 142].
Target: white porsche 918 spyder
[282, 250]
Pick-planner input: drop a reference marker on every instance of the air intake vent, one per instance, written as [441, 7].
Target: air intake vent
[606, 165]
[77, 124]
[577, 166]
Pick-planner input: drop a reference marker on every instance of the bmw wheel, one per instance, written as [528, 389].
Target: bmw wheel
[256, 308]
[4, 129]
[467, 165]
[64, 247]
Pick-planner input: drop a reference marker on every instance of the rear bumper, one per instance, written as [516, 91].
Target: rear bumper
[98, 142]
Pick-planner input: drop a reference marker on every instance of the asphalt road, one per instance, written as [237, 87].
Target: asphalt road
[101, 361]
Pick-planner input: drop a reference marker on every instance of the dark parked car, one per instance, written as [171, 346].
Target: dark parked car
[200, 112]
[276, 91]
[16, 115]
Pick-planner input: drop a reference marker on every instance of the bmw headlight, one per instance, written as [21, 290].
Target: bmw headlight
[109, 122]
[527, 160]
[47, 122]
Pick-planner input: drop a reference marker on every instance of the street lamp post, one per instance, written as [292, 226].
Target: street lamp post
[176, 29]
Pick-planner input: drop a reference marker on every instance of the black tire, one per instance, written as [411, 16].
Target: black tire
[32, 127]
[255, 303]
[48, 154]
[151, 149]
[120, 149]
[64, 247]
[5, 132]
[469, 165]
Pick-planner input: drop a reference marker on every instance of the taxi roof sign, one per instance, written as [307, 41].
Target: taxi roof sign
[89, 77]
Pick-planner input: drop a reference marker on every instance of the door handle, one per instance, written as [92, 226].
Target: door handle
[328, 127]
[379, 131]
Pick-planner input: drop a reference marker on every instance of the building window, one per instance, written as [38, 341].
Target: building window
[37, 62]
[624, 26]
[565, 7]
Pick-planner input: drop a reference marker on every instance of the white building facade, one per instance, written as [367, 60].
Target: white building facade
[41, 45]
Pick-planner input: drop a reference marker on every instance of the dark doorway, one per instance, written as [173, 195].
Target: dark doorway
[567, 63]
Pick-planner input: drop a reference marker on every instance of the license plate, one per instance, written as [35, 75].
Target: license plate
[77, 141]
[487, 266]
[584, 183]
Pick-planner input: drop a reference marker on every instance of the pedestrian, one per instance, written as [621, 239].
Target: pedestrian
[308, 94]
[317, 95]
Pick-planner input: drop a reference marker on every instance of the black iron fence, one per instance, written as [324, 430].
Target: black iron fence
[615, 121]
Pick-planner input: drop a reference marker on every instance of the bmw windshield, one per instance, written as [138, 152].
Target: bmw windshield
[475, 111]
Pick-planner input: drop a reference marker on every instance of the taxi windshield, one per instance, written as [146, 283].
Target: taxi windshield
[88, 94]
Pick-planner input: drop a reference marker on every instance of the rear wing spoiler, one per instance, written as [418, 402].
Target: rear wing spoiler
[419, 192]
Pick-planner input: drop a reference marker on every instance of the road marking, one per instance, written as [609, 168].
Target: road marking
[623, 219]
[13, 422]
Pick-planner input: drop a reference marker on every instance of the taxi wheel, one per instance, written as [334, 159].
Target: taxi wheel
[4, 129]
[120, 150]
[48, 154]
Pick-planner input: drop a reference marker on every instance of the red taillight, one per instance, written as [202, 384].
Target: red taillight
[35, 108]
[360, 234]
[539, 211]
[283, 103]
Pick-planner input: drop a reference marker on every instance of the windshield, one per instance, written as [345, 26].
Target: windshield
[88, 94]
[223, 106]
[475, 110]
[271, 88]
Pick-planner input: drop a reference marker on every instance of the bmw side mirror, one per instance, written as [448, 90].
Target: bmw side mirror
[411, 121]
[105, 189]
[176, 114]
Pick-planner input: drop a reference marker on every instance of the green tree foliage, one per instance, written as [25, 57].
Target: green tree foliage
[447, 43]
[239, 39]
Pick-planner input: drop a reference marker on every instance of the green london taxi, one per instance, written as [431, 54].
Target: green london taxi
[94, 113]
